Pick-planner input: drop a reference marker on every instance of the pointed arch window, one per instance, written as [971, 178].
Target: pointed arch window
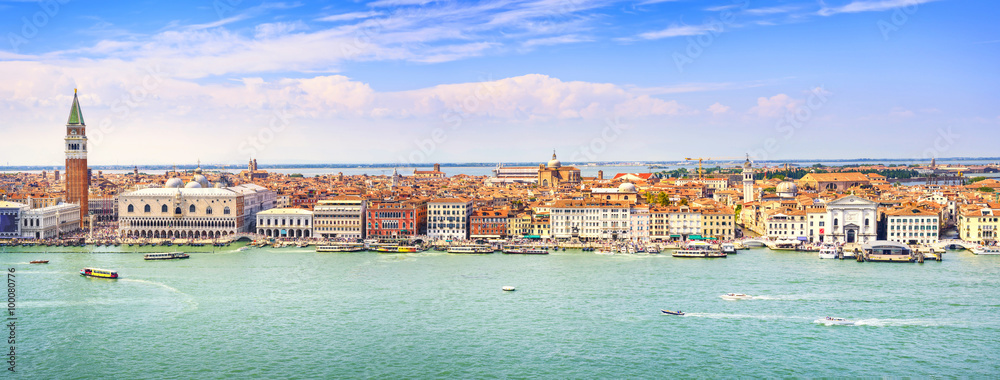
[225, 210]
[163, 209]
[131, 208]
[191, 209]
[208, 210]
[146, 208]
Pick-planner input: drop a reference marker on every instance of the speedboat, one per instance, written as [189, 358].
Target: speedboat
[828, 252]
[735, 296]
[508, 288]
[830, 321]
[678, 312]
[38, 262]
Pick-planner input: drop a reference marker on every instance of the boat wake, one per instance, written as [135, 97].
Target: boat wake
[889, 322]
[739, 316]
[189, 301]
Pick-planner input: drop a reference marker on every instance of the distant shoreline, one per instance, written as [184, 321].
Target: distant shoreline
[492, 164]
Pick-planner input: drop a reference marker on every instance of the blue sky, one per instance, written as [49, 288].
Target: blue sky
[420, 81]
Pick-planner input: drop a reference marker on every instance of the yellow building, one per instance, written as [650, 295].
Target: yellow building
[718, 223]
[978, 224]
[519, 225]
[554, 174]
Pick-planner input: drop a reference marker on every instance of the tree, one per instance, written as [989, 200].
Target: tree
[770, 190]
[779, 176]
[976, 179]
[986, 189]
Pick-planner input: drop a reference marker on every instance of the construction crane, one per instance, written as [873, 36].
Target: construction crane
[699, 159]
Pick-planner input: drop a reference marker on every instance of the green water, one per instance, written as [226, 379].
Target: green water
[294, 313]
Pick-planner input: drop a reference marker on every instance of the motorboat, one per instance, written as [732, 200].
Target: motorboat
[986, 250]
[678, 312]
[38, 262]
[735, 296]
[243, 248]
[728, 248]
[508, 288]
[99, 273]
[653, 249]
[832, 321]
[828, 252]
[699, 249]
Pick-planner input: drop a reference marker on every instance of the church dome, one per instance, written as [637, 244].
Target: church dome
[627, 187]
[193, 185]
[554, 163]
[201, 180]
[787, 189]
[174, 183]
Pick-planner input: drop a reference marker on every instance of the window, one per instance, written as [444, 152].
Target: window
[163, 209]
[225, 210]
[208, 210]
[145, 208]
[191, 209]
[131, 208]
[177, 210]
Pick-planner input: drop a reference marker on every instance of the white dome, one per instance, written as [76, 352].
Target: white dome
[787, 188]
[627, 187]
[193, 185]
[202, 180]
[554, 163]
[174, 183]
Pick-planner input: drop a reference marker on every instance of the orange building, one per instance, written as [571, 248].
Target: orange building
[77, 178]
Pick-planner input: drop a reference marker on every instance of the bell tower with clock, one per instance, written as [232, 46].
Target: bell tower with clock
[77, 177]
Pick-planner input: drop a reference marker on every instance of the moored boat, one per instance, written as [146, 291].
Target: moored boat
[166, 256]
[728, 248]
[699, 249]
[986, 250]
[470, 249]
[341, 247]
[99, 273]
[525, 251]
[828, 252]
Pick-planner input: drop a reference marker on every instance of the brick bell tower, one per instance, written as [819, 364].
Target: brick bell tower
[77, 179]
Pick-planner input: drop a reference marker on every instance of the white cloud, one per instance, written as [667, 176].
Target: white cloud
[350, 16]
[900, 113]
[775, 106]
[680, 31]
[718, 109]
[871, 6]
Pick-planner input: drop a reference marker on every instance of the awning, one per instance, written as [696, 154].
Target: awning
[803, 238]
[695, 237]
[673, 236]
[532, 237]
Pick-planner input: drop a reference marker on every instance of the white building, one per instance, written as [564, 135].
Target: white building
[852, 220]
[787, 225]
[11, 214]
[819, 223]
[51, 222]
[748, 194]
[639, 222]
[194, 210]
[342, 217]
[912, 225]
[591, 219]
[285, 223]
[683, 222]
[448, 218]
